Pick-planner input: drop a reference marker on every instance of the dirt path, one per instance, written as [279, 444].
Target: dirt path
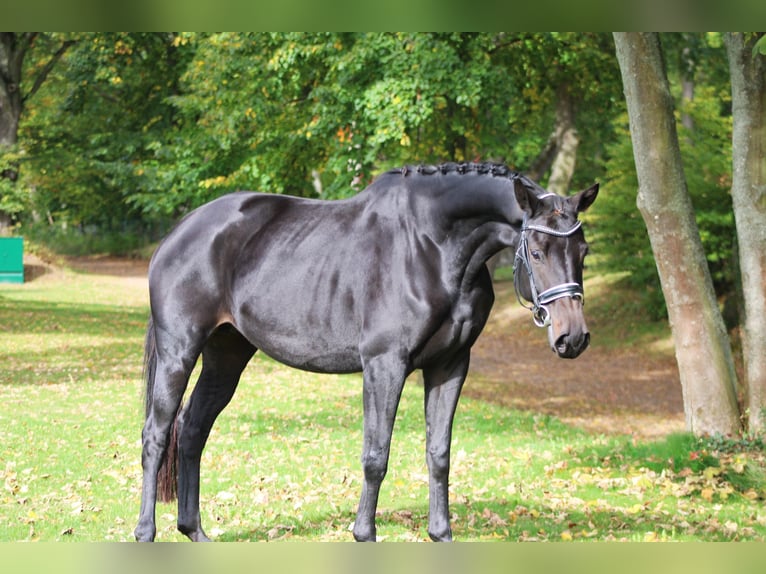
[603, 391]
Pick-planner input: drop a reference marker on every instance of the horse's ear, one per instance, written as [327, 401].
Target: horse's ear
[525, 197]
[585, 198]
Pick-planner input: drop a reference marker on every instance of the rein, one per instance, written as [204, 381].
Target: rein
[540, 313]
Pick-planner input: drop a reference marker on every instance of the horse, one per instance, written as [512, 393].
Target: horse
[391, 280]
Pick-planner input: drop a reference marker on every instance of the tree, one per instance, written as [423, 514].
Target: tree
[703, 120]
[573, 76]
[14, 49]
[161, 123]
[703, 351]
[748, 88]
[296, 113]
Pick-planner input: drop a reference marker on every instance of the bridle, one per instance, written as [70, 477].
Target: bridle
[540, 313]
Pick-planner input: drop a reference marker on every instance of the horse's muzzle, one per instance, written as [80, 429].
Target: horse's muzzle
[570, 346]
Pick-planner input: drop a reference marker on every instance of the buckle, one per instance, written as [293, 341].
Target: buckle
[542, 317]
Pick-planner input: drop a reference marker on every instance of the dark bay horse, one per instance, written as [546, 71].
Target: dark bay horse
[386, 282]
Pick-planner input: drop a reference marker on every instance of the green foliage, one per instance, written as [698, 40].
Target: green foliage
[337, 107]
[146, 126]
[706, 153]
[620, 237]
[760, 47]
[13, 198]
[120, 240]
[95, 119]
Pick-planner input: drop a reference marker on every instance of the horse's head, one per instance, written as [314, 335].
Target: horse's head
[549, 265]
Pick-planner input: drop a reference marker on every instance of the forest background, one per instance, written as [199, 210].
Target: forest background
[107, 139]
[129, 131]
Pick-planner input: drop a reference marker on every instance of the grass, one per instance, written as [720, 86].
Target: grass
[283, 459]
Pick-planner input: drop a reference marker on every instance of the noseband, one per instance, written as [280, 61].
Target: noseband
[540, 313]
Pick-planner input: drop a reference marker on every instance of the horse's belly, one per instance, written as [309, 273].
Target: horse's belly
[302, 347]
[321, 362]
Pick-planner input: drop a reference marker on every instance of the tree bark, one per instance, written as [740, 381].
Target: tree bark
[13, 47]
[748, 95]
[560, 151]
[703, 350]
[567, 141]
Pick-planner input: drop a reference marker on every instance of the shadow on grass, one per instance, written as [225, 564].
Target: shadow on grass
[499, 520]
[75, 364]
[45, 317]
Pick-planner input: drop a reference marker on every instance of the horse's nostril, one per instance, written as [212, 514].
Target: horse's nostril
[571, 347]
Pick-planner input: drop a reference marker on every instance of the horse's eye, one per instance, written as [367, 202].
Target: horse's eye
[536, 255]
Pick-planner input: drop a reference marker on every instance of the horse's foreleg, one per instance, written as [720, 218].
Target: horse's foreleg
[383, 383]
[442, 391]
[224, 357]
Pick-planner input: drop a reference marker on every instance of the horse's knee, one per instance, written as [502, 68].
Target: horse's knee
[438, 458]
[375, 465]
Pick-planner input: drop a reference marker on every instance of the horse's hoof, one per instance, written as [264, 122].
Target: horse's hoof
[144, 534]
[364, 534]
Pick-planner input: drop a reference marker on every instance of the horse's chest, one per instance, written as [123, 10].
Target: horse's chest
[460, 327]
[468, 319]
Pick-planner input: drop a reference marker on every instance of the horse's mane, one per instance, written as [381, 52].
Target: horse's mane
[492, 169]
[481, 168]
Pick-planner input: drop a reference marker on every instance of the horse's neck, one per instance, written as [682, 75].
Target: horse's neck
[479, 208]
[477, 216]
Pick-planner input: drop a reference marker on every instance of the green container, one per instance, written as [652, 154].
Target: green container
[11, 260]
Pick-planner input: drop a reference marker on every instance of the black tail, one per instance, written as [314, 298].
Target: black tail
[167, 476]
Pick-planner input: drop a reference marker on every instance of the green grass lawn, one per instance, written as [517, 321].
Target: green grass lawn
[283, 460]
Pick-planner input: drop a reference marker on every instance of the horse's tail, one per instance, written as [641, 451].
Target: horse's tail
[167, 475]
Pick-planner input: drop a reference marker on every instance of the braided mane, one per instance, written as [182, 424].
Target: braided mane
[481, 168]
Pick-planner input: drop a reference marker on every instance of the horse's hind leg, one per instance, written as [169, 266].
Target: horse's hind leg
[442, 390]
[383, 382]
[224, 357]
[170, 378]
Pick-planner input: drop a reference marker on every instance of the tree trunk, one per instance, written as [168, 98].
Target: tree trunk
[12, 50]
[703, 350]
[748, 95]
[560, 151]
[11, 57]
[687, 86]
[567, 141]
